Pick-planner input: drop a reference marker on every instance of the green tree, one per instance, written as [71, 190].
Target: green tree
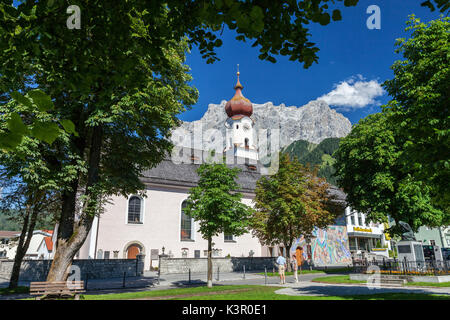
[420, 92]
[29, 191]
[291, 203]
[120, 80]
[31, 206]
[369, 169]
[216, 205]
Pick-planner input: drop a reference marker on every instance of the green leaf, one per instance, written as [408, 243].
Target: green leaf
[15, 124]
[10, 140]
[69, 127]
[45, 131]
[256, 13]
[42, 100]
[21, 99]
[336, 15]
[350, 3]
[324, 19]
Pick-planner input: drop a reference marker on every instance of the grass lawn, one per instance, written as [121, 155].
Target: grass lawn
[247, 292]
[337, 279]
[20, 289]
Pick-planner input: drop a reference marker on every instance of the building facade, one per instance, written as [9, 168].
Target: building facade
[434, 236]
[365, 236]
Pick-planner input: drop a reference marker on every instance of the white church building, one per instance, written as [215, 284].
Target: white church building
[148, 225]
[155, 224]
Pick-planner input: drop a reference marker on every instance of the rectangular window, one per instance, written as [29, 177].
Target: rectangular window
[134, 210]
[106, 255]
[352, 219]
[186, 227]
[360, 219]
[228, 238]
[186, 233]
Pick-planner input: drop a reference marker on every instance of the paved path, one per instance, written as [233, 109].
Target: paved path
[325, 289]
[304, 287]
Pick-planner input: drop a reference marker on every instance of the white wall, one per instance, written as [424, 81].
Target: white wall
[160, 228]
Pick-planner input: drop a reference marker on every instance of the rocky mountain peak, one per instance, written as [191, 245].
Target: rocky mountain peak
[312, 122]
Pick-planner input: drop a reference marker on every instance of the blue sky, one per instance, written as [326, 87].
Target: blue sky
[351, 58]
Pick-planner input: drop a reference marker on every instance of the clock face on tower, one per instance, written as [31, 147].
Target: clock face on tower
[246, 127]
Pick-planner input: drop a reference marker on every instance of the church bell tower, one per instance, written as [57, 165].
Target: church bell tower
[240, 126]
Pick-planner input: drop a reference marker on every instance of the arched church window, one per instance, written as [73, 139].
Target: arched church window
[186, 233]
[246, 143]
[135, 210]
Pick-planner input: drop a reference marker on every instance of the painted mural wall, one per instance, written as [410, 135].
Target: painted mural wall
[328, 246]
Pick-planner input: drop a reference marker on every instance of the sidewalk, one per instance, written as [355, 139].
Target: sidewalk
[304, 287]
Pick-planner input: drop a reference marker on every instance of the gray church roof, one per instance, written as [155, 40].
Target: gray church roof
[185, 174]
[169, 172]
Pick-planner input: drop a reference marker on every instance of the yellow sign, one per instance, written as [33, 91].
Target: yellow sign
[362, 229]
[386, 234]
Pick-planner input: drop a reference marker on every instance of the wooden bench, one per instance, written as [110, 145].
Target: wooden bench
[59, 289]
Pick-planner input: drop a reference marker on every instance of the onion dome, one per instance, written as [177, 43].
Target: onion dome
[239, 105]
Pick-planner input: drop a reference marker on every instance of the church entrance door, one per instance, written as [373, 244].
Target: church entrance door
[133, 251]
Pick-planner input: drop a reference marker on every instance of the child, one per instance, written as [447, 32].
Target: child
[295, 267]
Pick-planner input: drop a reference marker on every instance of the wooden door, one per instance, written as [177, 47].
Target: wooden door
[133, 251]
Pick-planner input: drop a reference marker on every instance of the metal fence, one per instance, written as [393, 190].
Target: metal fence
[402, 267]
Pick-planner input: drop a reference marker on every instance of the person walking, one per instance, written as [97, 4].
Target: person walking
[295, 267]
[281, 262]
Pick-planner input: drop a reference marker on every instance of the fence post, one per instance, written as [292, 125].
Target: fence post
[407, 266]
[86, 281]
[123, 283]
[265, 275]
[244, 271]
[189, 281]
[218, 273]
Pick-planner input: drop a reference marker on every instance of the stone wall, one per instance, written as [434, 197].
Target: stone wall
[197, 265]
[37, 270]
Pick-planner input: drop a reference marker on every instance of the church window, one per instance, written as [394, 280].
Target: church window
[186, 225]
[246, 143]
[228, 238]
[135, 210]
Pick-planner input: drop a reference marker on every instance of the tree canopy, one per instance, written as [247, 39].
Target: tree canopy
[215, 204]
[291, 203]
[420, 92]
[370, 170]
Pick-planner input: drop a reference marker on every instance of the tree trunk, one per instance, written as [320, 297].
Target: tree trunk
[71, 236]
[27, 231]
[288, 256]
[210, 269]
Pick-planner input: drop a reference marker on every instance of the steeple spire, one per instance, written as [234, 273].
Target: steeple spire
[239, 105]
[238, 84]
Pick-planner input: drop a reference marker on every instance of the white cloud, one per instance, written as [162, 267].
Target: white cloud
[354, 93]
